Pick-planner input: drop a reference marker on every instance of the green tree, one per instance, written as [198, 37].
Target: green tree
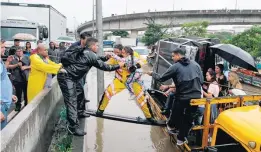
[249, 40]
[195, 28]
[224, 37]
[120, 33]
[154, 32]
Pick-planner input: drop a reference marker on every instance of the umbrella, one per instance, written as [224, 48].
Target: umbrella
[235, 55]
[24, 36]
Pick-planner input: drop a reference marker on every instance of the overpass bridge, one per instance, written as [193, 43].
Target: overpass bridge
[135, 22]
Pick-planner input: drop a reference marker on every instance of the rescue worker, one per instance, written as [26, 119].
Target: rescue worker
[119, 84]
[76, 63]
[188, 78]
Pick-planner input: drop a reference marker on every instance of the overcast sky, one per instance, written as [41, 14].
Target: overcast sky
[82, 9]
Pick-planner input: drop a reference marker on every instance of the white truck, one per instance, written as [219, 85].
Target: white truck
[20, 25]
[31, 18]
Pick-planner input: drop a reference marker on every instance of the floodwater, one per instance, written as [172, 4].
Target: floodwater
[105, 135]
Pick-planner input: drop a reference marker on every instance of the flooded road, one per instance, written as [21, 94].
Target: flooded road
[113, 136]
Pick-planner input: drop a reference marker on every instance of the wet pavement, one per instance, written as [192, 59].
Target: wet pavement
[113, 136]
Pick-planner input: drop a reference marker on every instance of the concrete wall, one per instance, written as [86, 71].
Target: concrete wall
[25, 131]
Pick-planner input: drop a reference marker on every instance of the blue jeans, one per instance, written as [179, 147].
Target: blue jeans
[4, 110]
[169, 102]
[213, 114]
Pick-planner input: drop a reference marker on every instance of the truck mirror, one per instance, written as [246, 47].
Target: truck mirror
[210, 149]
[45, 32]
[40, 33]
[41, 36]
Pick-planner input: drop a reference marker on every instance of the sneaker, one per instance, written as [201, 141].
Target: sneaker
[99, 112]
[18, 108]
[76, 131]
[172, 131]
[180, 142]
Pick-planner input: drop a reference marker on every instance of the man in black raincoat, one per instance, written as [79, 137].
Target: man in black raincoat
[76, 62]
[188, 79]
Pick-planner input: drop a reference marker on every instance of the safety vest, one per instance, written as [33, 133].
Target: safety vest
[122, 73]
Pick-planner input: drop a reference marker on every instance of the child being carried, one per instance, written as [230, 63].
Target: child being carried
[133, 66]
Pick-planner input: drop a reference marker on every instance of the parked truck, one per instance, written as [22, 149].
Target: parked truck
[18, 25]
[31, 18]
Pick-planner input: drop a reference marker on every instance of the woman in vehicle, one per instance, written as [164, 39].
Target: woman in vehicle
[28, 49]
[221, 79]
[212, 91]
[233, 81]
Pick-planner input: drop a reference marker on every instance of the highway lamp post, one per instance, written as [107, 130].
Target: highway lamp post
[126, 6]
[100, 74]
[93, 10]
[173, 5]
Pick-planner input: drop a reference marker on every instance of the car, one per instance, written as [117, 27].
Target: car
[142, 51]
[66, 39]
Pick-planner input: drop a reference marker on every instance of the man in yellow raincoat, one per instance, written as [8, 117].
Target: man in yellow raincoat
[118, 84]
[39, 71]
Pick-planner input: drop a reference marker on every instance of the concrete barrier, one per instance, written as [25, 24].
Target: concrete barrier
[26, 130]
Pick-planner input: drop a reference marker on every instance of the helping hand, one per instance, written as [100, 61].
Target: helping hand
[122, 64]
[20, 64]
[108, 56]
[164, 87]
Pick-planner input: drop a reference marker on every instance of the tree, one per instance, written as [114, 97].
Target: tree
[249, 40]
[195, 28]
[224, 37]
[154, 32]
[120, 33]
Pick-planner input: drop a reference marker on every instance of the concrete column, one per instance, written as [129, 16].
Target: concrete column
[134, 34]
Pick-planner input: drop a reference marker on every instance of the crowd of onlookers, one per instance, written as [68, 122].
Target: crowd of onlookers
[19, 65]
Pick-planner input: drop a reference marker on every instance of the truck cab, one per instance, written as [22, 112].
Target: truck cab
[15, 25]
[237, 129]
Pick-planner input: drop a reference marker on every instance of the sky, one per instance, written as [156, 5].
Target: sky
[79, 11]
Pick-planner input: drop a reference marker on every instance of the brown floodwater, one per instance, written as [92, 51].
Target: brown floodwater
[114, 136]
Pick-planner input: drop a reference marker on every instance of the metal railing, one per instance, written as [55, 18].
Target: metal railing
[236, 101]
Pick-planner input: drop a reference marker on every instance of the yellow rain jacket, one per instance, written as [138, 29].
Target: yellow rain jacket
[38, 75]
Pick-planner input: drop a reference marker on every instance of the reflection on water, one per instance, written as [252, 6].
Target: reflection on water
[114, 136]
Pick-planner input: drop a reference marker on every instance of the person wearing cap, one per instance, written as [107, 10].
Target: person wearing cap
[188, 78]
[13, 49]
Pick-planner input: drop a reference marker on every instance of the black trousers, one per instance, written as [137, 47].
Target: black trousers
[73, 94]
[20, 88]
[182, 117]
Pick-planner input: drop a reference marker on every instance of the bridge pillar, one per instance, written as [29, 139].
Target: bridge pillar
[134, 34]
